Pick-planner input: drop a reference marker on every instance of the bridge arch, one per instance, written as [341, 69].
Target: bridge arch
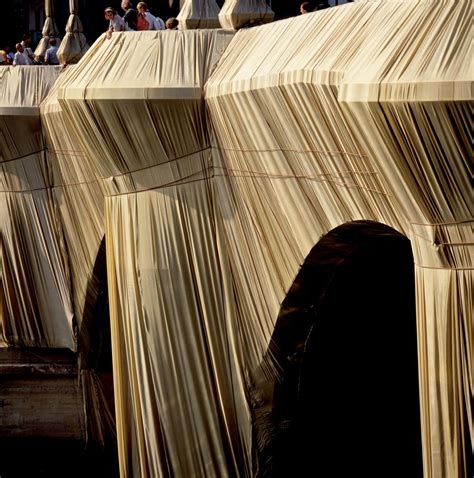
[347, 398]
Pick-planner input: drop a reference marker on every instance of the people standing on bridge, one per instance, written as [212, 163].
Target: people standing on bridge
[116, 23]
[130, 17]
[20, 58]
[27, 51]
[51, 56]
[147, 21]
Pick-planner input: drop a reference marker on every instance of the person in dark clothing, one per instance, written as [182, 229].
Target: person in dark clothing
[130, 17]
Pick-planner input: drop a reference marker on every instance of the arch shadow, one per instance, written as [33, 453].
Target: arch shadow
[346, 401]
[95, 362]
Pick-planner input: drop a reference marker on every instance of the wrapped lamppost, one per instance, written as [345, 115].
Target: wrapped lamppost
[236, 14]
[196, 14]
[50, 30]
[74, 43]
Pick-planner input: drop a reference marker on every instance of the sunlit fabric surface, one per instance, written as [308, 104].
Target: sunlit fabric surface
[79, 197]
[364, 113]
[223, 160]
[36, 305]
[78, 194]
[178, 411]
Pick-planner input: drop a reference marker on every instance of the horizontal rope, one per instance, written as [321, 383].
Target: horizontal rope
[66, 152]
[443, 243]
[178, 182]
[22, 157]
[325, 152]
[449, 223]
[445, 268]
[162, 163]
[324, 178]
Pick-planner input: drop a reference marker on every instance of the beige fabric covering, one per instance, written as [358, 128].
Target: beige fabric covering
[196, 14]
[362, 115]
[36, 308]
[74, 44]
[159, 418]
[222, 160]
[50, 30]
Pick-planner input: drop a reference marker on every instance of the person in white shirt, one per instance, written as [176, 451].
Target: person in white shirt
[27, 51]
[116, 23]
[20, 58]
[147, 21]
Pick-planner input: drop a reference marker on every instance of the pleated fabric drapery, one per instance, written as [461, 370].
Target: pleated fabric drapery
[74, 44]
[196, 14]
[79, 196]
[428, 93]
[173, 366]
[363, 114]
[289, 168]
[35, 277]
[50, 30]
[237, 14]
[220, 160]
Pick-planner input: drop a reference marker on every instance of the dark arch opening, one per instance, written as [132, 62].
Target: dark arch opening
[94, 335]
[347, 402]
[95, 361]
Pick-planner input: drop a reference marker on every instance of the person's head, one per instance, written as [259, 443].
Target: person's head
[109, 13]
[52, 41]
[3, 57]
[7, 49]
[142, 7]
[305, 7]
[27, 38]
[126, 5]
[172, 23]
[19, 47]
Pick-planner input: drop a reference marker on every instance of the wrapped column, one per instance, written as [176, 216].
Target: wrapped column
[50, 30]
[196, 14]
[74, 43]
[236, 14]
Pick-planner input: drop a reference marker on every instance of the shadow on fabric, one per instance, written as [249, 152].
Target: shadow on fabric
[346, 402]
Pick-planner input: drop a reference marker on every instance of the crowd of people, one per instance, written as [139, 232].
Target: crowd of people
[136, 20]
[24, 54]
[132, 20]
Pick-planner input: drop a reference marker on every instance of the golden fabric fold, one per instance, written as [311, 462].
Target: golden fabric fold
[213, 163]
[196, 14]
[74, 44]
[35, 275]
[237, 14]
